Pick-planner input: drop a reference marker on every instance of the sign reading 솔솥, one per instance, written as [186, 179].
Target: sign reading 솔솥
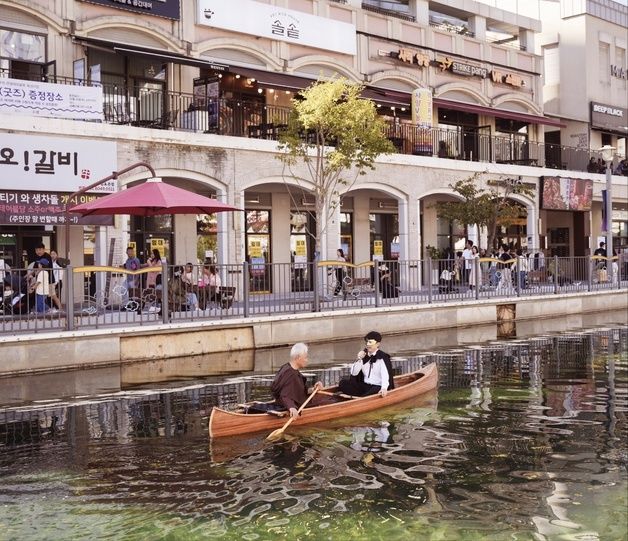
[278, 23]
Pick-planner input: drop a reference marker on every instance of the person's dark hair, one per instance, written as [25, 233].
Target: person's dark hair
[156, 254]
[373, 335]
[129, 248]
[41, 245]
[212, 269]
[341, 252]
[602, 244]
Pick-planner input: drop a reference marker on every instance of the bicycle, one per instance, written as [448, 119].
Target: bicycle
[346, 287]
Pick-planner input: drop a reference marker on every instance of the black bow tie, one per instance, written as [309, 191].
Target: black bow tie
[371, 359]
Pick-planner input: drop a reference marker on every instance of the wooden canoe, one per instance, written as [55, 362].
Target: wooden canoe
[231, 423]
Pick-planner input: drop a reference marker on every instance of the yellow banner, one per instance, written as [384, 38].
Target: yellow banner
[422, 107]
[255, 248]
[158, 244]
[378, 247]
[300, 248]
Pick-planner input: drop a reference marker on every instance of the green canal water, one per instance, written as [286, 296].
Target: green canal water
[524, 440]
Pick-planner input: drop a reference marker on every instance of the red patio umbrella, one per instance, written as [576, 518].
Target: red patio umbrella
[152, 198]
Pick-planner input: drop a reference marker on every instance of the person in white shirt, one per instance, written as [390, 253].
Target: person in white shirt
[467, 255]
[371, 373]
[41, 285]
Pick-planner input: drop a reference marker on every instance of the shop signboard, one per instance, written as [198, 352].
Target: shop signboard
[36, 98]
[561, 193]
[609, 117]
[170, 9]
[58, 164]
[19, 207]
[278, 23]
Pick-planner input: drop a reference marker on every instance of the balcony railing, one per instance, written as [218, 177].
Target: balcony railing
[149, 108]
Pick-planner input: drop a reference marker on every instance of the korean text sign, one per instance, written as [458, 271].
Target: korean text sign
[33, 162]
[278, 23]
[50, 100]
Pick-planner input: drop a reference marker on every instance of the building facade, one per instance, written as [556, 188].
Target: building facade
[200, 94]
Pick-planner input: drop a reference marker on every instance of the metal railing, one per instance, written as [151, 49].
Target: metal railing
[109, 297]
[157, 109]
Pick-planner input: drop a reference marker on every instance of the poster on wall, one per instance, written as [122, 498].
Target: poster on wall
[35, 98]
[561, 193]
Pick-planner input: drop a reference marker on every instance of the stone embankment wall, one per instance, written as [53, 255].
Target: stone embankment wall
[51, 352]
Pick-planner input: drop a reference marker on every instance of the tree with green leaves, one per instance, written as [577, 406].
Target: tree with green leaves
[337, 136]
[487, 207]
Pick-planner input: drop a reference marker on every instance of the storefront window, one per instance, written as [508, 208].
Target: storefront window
[22, 46]
[206, 237]
[346, 234]
[150, 232]
[300, 250]
[258, 250]
[384, 230]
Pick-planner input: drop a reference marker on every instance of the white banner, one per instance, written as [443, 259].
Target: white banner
[278, 23]
[32, 162]
[51, 100]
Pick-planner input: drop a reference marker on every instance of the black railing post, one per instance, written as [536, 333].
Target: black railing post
[165, 307]
[429, 280]
[68, 283]
[376, 284]
[478, 277]
[315, 280]
[246, 289]
[555, 275]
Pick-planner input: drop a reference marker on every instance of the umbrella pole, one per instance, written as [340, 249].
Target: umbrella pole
[113, 176]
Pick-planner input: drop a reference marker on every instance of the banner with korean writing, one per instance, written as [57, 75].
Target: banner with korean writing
[51, 100]
[35, 162]
[422, 107]
[43, 208]
[278, 23]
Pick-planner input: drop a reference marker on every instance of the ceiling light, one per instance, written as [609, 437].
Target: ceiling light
[237, 76]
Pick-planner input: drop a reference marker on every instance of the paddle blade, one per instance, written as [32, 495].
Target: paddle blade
[275, 434]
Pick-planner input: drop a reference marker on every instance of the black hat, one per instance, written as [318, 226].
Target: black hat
[373, 335]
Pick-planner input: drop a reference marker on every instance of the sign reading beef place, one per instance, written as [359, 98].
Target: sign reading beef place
[170, 9]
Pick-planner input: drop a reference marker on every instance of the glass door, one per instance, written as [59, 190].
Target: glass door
[258, 250]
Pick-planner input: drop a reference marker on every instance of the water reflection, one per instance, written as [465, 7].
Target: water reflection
[524, 438]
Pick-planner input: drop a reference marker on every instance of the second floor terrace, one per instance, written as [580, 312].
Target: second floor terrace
[454, 135]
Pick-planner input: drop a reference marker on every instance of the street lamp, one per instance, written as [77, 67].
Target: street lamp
[607, 156]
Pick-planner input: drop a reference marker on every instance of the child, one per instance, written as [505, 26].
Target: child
[41, 286]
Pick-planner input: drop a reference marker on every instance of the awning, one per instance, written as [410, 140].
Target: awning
[387, 97]
[271, 79]
[500, 113]
[156, 54]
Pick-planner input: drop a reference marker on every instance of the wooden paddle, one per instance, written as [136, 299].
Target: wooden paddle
[276, 434]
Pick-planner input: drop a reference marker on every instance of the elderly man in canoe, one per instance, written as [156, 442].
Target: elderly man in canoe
[289, 388]
[371, 373]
